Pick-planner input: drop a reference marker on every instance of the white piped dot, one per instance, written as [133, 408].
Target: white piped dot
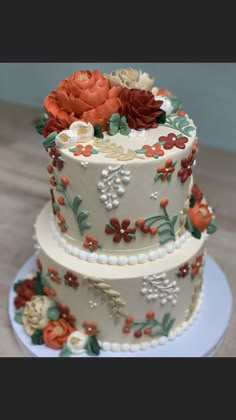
[142, 258]
[106, 346]
[154, 342]
[135, 347]
[163, 340]
[102, 259]
[115, 347]
[177, 244]
[145, 345]
[170, 248]
[162, 252]
[153, 255]
[122, 260]
[92, 258]
[171, 336]
[132, 260]
[83, 255]
[125, 347]
[112, 260]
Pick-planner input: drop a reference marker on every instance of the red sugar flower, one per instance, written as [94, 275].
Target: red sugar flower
[183, 270]
[71, 280]
[151, 151]
[186, 169]
[120, 230]
[52, 124]
[57, 160]
[172, 140]
[90, 328]
[53, 274]
[164, 172]
[91, 243]
[65, 313]
[49, 292]
[196, 265]
[86, 151]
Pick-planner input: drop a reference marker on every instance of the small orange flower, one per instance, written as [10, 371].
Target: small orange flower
[55, 334]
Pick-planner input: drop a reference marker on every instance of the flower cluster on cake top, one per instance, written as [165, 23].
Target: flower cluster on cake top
[89, 102]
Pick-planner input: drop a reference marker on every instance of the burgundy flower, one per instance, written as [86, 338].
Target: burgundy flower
[140, 108]
[57, 160]
[91, 243]
[186, 169]
[71, 280]
[172, 140]
[197, 194]
[24, 292]
[183, 270]
[120, 230]
[65, 313]
[52, 124]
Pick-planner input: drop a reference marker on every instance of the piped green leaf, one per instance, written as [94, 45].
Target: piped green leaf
[173, 221]
[165, 320]
[98, 131]
[65, 352]
[76, 203]
[53, 313]
[39, 126]
[192, 201]
[188, 224]
[170, 325]
[38, 289]
[123, 126]
[196, 233]
[50, 140]
[18, 315]
[158, 333]
[166, 239]
[113, 124]
[212, 227]
[37, 337]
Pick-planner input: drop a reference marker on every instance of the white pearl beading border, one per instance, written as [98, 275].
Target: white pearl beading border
[141, 258]
[116, 347]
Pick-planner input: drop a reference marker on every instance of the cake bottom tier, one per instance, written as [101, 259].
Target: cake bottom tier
[132, 307]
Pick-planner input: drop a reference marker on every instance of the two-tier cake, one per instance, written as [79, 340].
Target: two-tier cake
[121, 244]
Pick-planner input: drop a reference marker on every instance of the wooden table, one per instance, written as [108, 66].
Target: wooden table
[25, 189]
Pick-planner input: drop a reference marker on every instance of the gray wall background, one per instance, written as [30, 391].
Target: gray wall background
[207, 90]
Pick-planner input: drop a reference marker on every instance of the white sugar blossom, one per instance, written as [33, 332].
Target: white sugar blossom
[76, 342]
[83, 131]
[167, 105]
[65, 139]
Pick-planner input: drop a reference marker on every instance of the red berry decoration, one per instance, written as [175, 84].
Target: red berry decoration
[61, 200]
[145, 229]
[150, 315]
[147, 331]
[139, 223]
[126, 330]
[53, 182]
[50, 169]
[153, 230]
[138, 334]
[164, 202]
[64, 180]
[129, 320]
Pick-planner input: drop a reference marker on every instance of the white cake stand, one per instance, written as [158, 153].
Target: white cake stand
[202, 339]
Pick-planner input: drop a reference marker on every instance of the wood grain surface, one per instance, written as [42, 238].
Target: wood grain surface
[24, 190]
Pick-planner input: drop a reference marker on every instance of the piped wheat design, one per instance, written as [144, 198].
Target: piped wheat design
[115, 302]
[112, 150]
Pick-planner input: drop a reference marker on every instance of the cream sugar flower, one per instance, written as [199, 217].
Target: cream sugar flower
[76, 342]
[130, 78]
[79, 132]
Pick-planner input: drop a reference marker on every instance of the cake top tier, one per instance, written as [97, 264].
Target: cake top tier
[121, 115]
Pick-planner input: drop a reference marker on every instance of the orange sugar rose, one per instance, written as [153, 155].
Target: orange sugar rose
[85, 95]
[200, 216]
